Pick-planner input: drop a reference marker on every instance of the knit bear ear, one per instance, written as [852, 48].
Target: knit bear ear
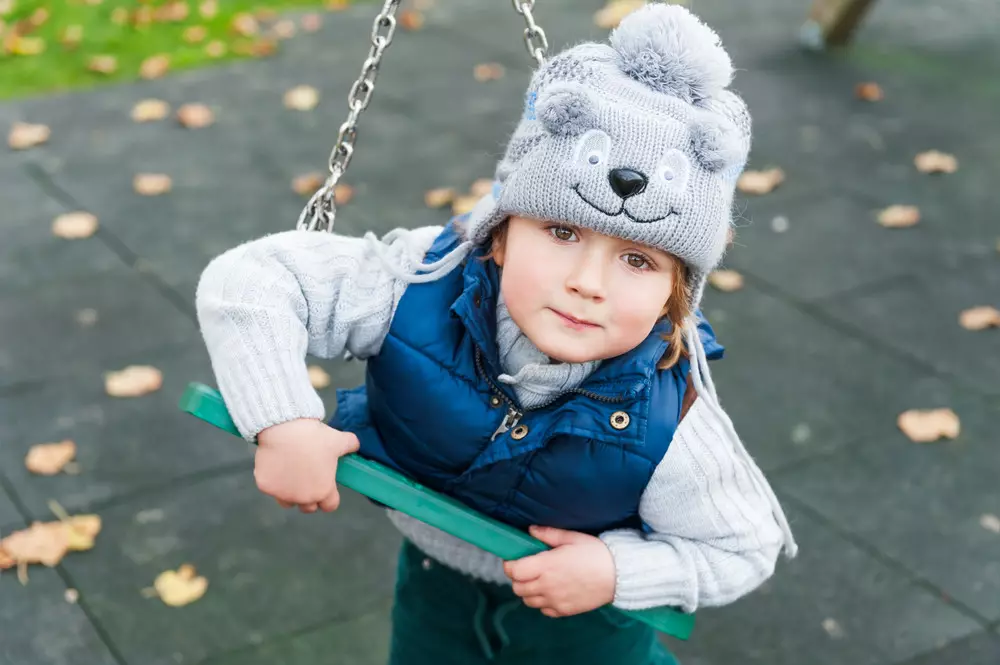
[668, 49]
[716, 143]
[566, 109]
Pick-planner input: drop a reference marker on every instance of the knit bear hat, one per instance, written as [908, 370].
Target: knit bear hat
[638, 139]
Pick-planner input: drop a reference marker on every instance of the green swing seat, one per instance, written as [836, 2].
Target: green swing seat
[399, 492]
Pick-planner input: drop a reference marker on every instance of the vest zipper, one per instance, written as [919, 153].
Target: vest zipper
[510, 420]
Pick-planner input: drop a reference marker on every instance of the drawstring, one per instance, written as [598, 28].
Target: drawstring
[499, 616]
[431, 271]
[705, 388]
[477, 622]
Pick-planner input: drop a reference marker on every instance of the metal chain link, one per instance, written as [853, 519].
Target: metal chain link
[534, 37]
[321, 210]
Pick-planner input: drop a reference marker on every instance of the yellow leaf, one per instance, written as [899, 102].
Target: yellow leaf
[760, 182]
[81, 530]
[410, 19]
[71, 35]
[133, 381]
[27, 46]
[302, 98]
[245, 25]
[926, 426]
[870, 92]
[103, 64]
[208, 8]
[899, 216]
[43, 542]
[615, 11]
[215, 49]
[180, 587]
[489, 71]
[934, 161]
[74, 225]
[307, 183]
[150, 109]
[48, 459]
[438, 198]
[152, 184]
[24, 135]
[119, 15]
[726, 280]
[342, 194]
[195, 34]
[318, 377]
[195, 116]
[464, 204]
[284, 29]
[980, 318]
[154, 66]
[481, 187]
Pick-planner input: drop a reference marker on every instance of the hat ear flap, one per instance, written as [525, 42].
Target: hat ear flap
[720, 134]
[566, 109]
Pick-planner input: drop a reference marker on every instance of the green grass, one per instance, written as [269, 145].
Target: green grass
[62, 67]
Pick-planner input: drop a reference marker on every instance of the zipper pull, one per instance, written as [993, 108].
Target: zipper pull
[510, 420]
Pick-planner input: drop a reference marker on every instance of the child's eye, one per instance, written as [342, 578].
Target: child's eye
[637, 261]
[562, 233]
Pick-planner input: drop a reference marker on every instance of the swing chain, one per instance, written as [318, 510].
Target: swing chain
[321, 210]
[534, 37]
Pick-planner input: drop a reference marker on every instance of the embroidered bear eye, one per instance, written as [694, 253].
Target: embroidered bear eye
[674, 170]
[594, 158]
[668, 174]
[592, 149]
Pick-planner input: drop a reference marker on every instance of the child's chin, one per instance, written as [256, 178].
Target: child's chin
[564, 350]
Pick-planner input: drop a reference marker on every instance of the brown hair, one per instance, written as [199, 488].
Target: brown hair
[676, 310]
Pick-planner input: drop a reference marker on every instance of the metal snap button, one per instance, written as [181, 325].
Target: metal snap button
[519, 432]
[494, 401]
[619, 420]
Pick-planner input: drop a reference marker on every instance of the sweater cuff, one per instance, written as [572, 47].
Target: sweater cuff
[648, 573]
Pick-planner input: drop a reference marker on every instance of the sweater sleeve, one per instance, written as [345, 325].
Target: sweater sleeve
[266, 304]
[714, 536]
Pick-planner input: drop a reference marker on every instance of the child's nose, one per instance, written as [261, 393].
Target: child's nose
[627, 182]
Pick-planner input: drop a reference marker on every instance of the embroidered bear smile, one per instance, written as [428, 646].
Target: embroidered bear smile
[622, 210]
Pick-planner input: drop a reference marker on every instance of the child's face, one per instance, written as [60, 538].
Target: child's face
[579, 295]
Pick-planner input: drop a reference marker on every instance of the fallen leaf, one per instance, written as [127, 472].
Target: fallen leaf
[133, 381]
[336, 5]
[410, 19]
[74, 225]
[464, 204]
[833, 628]
[152, 184]
[149, 110]
[284, 29]
[180, 587]
[870, 92]
[440, 197]
[489, 71]
[926, 426]
[307, 183]
[27, 46]
[990, 522]
[208, 9]
[899, 216]
[119, 15]
[312, 22]
[39, 17]
[760, 182]
[726, 280]
[195, 116]
[612, 14]
[142, 17]
[81, 531]
[934, 161]
[24, 135]
[71, 596]
[342, 194]
[260, 48]
[172, 12]
[6, 7]
[245, 25]
[481, 187]
[86, 317]
[71, 36]
[215, 49]
[195, 34]
[302, 98]
[318, 377]
[48, 459]
[265, 14]
[103, 64]
[154, 66]
[980, 318]
[43, 542]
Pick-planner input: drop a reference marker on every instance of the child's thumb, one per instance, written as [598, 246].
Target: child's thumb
[552, 536]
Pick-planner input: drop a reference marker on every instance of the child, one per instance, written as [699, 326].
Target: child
[541, 359]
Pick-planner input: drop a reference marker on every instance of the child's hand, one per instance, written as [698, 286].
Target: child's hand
[577, 575]
[296, 463]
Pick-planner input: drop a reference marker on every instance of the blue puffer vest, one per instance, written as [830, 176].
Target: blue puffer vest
[431, 408]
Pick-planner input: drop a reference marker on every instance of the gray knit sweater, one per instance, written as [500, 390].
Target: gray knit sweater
[265, 305]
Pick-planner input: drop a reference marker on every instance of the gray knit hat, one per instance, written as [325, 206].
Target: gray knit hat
[638, 139]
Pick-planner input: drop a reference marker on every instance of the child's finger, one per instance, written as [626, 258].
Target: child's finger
[537, 602]
[331, 502]
[525, 570]
[525, 589]
[309, 507]
[284, 504]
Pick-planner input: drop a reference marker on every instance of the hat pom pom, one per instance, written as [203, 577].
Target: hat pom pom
[669, 49]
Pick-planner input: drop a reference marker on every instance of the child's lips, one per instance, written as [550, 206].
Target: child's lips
[573, 322]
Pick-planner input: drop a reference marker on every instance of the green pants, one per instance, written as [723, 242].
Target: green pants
[442, 617]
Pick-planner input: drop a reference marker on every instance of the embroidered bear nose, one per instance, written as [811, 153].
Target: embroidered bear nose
[627, 182]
